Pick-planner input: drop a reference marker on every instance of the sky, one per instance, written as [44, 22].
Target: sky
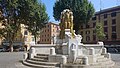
[97, 5]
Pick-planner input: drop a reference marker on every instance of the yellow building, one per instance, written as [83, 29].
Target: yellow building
[27, 36]
[48, 32]
[110, 18]
[24, 37]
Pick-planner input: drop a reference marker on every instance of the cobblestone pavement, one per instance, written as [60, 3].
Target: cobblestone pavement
[116, 59]
[13, 60]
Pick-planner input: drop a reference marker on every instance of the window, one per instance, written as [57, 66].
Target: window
[53, 30]
[25, 32]
[105, 29]
[87, 32]
[87, 26]
[94, 37]
[94, 18]
[57, 27]
[48, 35]
[105, 23]
[81, 32]
[105, 16]
[48, 30]
[45, 40]
[113, 21]
[81, 27]
[48, 26]
[113, 14]
[87, 38]
[94, 24]
[113, 28]
[114, 36]
[106, 36]
[94, 31]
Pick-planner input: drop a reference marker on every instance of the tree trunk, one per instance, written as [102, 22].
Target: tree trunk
[35, 39]
[11, 46]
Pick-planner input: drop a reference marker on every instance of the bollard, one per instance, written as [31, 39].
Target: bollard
[108, 55]
[32, 50]
[91, 51]
[52, 51]
[73, 55]
[64, 59]
[100, 43]
[25, 56]
[85, 60]
[32, 53]
[104, 51]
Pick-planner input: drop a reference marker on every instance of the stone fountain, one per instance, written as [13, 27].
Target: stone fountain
[68, 51]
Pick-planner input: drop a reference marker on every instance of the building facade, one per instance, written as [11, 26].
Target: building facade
[28, 38]
[23, 37]
[48, 33]
[110, 19]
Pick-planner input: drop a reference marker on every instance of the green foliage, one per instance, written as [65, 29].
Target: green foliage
[36, 17]
[28, 12]
[82, 10]
[99, 32]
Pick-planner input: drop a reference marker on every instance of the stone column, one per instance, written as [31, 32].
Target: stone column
[25, 55]
[91, 51]
[85, 60]
[52, 51]
[64, 59]
[72, 56]
[32, 53]
[100, 43]
[108, 55]
[104, 51]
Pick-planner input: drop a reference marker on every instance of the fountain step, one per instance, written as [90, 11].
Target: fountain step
[39, 59]
[100, 56]
[42, 54]
[108, 64]
[103, 63]
[95, 65]
[102, 59]
[38, 66]
[42, 63]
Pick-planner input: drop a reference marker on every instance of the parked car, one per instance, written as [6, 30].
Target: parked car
[2, 49]
[112, 50]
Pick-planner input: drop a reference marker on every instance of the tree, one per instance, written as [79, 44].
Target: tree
[99, 32]
[82, 10]
[39, 19]
[17, 12]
